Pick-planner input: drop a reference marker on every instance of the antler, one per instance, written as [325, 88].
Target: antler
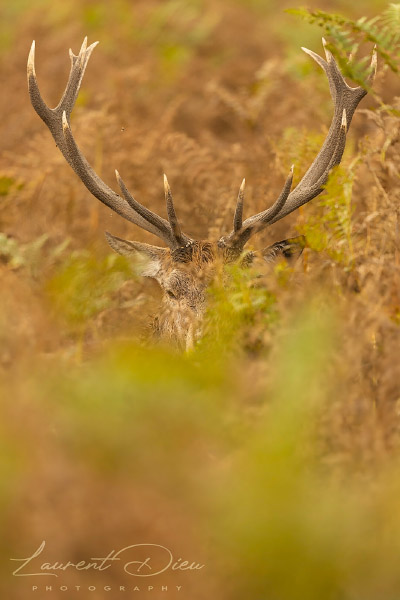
[58, 121]
[345, 100]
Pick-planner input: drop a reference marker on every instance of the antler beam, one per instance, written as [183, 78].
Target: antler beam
[345, 100]
[58, 121]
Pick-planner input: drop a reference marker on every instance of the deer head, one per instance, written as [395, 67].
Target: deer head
[185, 266]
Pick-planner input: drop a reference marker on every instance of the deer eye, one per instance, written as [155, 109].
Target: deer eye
[171, 294]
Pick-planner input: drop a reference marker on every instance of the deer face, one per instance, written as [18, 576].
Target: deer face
[185, 268]
[184, 275]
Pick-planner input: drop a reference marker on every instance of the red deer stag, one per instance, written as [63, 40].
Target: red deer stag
[184, 268]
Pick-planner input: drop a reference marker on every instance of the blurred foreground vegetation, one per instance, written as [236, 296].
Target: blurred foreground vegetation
[271, 452]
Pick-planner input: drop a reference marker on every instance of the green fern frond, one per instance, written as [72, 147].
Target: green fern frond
[346, 34]
[329, 229]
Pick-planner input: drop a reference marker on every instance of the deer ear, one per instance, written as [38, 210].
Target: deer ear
[148, 258]
[289, 249]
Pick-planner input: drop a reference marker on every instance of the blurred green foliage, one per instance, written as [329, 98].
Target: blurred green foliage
[142, 412]
[33, 255]
[10, 13]
[237, 302]
[9, 183]
[279, 525]
[81, 286]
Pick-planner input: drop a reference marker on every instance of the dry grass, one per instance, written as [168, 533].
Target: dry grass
[108, 445]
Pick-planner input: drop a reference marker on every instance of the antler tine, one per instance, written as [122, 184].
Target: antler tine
[136, 213]
[345, 100]
[144, 212]
[57, 120]
[254, 224]
[267, 215]
[36, 99]
[172, 218]
[53, 116]
[238, 218]
[71, 91]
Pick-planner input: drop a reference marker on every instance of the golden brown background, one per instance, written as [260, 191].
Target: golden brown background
[272, 456]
